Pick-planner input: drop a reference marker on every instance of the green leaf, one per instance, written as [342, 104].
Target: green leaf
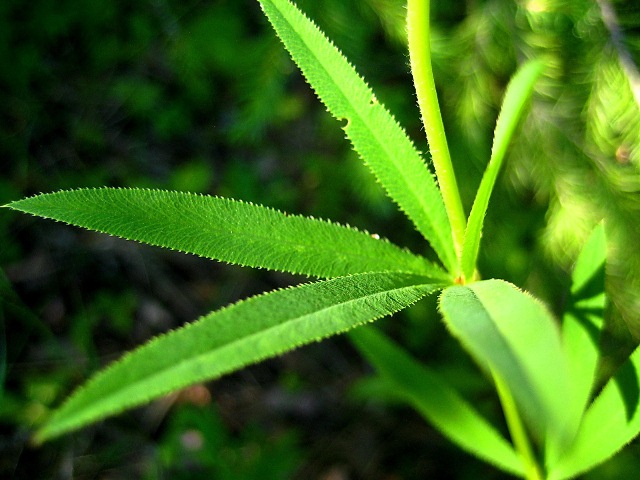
[226, 230]
[582, 324]
[583, 319]
[436, 400]
[611, 422]
[374, 133]
[236, 336]
[518, 92]
[509, 332]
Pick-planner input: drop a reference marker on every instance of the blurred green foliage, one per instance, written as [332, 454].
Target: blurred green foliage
[200, 96]
[198, 446]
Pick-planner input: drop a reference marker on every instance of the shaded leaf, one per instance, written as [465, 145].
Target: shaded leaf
[436, 400]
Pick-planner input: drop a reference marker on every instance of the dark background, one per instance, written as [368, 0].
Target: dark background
[201, 96]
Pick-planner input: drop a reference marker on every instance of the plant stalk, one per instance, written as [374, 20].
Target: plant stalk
[517, 430]
[422, 71]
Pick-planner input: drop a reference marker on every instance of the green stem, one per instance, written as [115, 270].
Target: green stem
[517, 430]
[421, 69]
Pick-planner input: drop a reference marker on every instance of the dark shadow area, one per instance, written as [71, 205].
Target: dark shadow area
[626, 381]
[592, 287]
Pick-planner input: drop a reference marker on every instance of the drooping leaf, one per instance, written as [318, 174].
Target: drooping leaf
[436, 400]
[518, 93]
[227, 230]
[610, 423]
[236, 336]
[509, 332]
[374, 133]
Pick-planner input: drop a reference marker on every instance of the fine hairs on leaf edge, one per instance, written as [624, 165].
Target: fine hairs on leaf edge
[42, 435]
[372, 103]
[530, 296]
[388, 116]
[469, 286]
[193, 194]
[14, 205]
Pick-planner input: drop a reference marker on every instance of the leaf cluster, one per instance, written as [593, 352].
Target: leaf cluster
[546, 378]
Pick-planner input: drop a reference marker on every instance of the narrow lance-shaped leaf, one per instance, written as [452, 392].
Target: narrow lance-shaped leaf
[231, 338]
[374, 133]
[227, 230]
[518, 92]
[436, 400]
[610, 423]
[508, 332]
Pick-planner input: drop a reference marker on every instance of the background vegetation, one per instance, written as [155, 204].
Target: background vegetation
[201, 96]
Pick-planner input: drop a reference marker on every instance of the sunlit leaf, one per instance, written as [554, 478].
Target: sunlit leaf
[610, 423]
[583, 319]
[518, 93]
[227, 230]
[236, 336]
[509, 332]
[374, 133]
